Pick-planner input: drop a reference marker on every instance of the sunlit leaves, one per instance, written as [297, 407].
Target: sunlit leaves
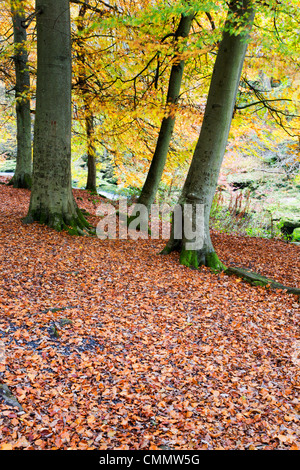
[128, 49]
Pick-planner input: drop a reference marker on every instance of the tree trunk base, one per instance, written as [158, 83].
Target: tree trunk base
[22, 181]
[195, 259]
[91, 188]
[76, 225]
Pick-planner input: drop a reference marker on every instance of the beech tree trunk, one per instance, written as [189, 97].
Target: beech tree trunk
[23, 171]
[155, 172]
[201, 181]
[91, 183]
[52, 201]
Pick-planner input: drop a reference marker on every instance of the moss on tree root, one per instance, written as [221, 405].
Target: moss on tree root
[74, 225]
[259, 280]
[213, 262]
[166, 250]
[189, 258]
[194, 259]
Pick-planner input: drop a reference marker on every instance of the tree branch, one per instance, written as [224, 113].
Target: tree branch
[30, 18]
[90, 7]
[263, 101]
[212, 23]
[275, 113]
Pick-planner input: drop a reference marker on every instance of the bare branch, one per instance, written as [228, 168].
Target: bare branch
[261, 102]
[30, 18]
[97, 10]
[212, 23]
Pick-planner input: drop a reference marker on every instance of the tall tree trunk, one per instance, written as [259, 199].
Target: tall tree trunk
[22, 176]
[52, 201]
[155, 172]
[201, 181]
[91, 183]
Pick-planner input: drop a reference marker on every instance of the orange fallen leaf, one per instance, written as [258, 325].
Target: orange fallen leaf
[6, 447]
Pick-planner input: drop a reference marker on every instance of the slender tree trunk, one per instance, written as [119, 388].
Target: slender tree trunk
[91, 152]
[22, 176]
[155, 172]
[91, 183]
[52, 201]
[200, 185]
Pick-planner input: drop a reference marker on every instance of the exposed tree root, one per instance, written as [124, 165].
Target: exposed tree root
[259, 280]
[195, 259]
[8, 397]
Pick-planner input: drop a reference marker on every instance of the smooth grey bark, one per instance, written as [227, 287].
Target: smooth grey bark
[52, 201]
[156, 168]
[202, 177]
[23, 171]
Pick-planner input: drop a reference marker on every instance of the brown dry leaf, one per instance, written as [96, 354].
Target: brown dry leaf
[127, 371]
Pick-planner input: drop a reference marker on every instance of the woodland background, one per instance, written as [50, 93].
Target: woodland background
[127, 71]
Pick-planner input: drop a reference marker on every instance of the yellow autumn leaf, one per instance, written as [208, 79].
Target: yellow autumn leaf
[6, 447]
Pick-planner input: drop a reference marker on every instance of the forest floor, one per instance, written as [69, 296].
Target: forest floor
[109, 345]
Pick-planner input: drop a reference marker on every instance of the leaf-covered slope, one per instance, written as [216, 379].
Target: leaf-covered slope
[147, 354]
